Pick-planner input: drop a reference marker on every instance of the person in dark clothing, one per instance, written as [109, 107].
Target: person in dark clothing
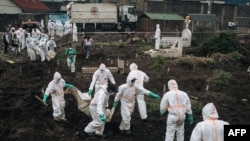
[5, 42]
[15, 44]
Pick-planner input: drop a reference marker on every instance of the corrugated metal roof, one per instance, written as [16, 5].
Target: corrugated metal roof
[204, 17]
[164, 16]
[31, 5]
[8, 7]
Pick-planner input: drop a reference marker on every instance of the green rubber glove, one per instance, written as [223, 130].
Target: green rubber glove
[102, 118]
[190, 119]
[45, 99]
[90, 92]
[69, 85]
[153, 95]
[161, 113]
[115, 104]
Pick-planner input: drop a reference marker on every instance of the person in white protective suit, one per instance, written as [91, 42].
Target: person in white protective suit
[97, 111]
[74, 30]
[40, 49]
[30, 51]
[211, 129]
[101, 77]
[157, 37]
[51, 45]
[43, 49]
[55, 89]
[141, 77]
[126, 94]
[71, 58]
[22, 38]
[42, 25]
[178, 104]
[35, 33]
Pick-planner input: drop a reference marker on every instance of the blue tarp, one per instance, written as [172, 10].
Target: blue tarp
[236, 2]
[58, 17]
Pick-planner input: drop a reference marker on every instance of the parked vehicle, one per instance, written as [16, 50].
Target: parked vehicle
[29, 25]
[90, 17]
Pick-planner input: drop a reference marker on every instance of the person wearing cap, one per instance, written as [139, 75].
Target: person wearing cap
[178, 104]
[211, 129]
[126, 95]
[71, 58]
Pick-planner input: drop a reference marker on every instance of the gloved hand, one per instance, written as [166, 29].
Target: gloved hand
[115, 104]
[45, 99]
[69, 85]
[190, 119]
[90, 92]
[102, 118]
[155, 38]
[153, 95]
[161, 113]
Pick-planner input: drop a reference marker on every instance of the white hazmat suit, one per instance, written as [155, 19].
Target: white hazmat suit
[97, 110]
[51, 45]
[55, 89]
[177, 103]
[141, 77]
[75, 39]
[30, 51]
[157, 37]
[126, 94]
[101, 77]
[211, 129]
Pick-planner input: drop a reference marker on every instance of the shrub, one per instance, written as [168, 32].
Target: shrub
[159, 64]
[220, 78]
[223, 43]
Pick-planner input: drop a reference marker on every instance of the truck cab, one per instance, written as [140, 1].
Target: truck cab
[127, 18]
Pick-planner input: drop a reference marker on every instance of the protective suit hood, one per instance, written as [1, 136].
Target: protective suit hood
[209, 112]
[102, 67]
[57, 77]
[133, 66]
[172, 84]
[157, 26]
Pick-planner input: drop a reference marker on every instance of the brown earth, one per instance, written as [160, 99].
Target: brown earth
[24, 118]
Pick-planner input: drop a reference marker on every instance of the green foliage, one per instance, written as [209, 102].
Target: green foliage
[221, 78]
[159, 64]
[121, 45]
[236, 56]
[222, 42]
[142, 43]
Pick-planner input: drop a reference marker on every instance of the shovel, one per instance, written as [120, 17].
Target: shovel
[40, 100]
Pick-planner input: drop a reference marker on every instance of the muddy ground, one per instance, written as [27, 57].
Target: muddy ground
[25, 118]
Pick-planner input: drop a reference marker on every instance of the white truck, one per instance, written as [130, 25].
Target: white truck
[90, 17]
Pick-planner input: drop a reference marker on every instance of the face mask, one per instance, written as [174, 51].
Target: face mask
[58, 80]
